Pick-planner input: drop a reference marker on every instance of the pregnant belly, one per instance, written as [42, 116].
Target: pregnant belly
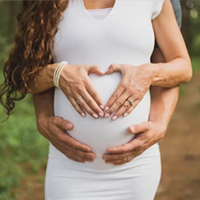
[101, 133]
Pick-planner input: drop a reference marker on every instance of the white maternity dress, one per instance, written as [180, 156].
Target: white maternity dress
[125, 35]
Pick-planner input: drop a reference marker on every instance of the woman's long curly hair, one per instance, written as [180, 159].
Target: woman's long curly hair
[38, 22]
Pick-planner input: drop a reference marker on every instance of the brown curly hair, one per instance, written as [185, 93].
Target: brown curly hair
[38, 22]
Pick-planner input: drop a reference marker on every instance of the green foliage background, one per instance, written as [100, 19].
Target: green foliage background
[22, 149]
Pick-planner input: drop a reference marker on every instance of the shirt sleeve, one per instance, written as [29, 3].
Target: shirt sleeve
[177, 10]
[156, 8]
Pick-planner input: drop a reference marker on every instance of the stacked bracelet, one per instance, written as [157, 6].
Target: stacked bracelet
[57, 73]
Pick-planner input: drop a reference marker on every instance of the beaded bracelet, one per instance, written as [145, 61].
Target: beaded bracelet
[57, 73]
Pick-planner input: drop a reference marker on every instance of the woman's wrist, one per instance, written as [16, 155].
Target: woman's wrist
[50, 73]
[51, 70]
[58, 72]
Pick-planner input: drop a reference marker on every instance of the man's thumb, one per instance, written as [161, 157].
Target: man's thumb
[65, 125]
[138, 128]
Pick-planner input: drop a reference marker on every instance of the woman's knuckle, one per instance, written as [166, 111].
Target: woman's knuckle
[124, 85]
[89, 101]
[85, 82]
[115, 96]
[130, 81]
[94, 95]
[119, 103]
[79, 89]
[131, 90]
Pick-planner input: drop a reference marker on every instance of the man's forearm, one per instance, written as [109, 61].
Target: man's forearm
[163, 103]
[43, 103]
[163, 100]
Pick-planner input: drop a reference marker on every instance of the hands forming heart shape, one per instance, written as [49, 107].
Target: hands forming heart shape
[76, 85]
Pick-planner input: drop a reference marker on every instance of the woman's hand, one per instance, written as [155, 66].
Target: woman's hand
[146, 134]
[135, 82]
[76, 85]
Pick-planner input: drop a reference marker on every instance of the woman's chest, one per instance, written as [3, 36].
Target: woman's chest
[125, 35]
[127, 26]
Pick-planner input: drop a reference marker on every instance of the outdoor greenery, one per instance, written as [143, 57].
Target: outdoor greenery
[22, 149]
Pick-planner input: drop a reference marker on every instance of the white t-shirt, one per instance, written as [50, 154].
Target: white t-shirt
[99, 13]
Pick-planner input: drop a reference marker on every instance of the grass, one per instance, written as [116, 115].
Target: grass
[23, 150]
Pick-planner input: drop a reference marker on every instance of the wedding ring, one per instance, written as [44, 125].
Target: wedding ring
[125, 159]
[77, 99]
[128, 158]
[130, 101]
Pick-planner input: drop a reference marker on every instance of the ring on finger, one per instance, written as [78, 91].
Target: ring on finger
[124, 155]
[130, 101]
[128, 158]
[78, 99]
[125, 158]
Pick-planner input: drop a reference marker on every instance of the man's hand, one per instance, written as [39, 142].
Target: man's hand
[146, 134]
[54, 129]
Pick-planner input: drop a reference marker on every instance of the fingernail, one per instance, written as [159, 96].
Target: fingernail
[101, 114]
[83, 114]
[106, 108]
[102, 107]
[125, 114]
[132, 128]
[95, 116]
[107, 115]
[114, 118]
[68, 125]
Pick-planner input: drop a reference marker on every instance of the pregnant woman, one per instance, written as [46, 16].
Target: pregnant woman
[108, 45]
